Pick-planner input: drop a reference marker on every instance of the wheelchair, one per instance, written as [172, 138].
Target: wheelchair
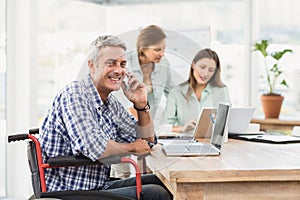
[37, 167]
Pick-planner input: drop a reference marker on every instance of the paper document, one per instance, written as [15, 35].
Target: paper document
[271, 138]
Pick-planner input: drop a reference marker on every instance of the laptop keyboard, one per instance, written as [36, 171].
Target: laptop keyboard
[199, 148]
[190, 148]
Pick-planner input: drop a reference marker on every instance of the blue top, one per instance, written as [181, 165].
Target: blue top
[161, 77]
[179, 111]
[79, 122]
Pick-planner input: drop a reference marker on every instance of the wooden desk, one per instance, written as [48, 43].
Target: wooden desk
[276, 124]
[245, 170]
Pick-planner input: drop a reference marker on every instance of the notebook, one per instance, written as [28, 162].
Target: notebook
[239, 120]
[195, 148]
[274, 138]
[203, 127]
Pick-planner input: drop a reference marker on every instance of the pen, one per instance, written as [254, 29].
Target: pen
[212, 118]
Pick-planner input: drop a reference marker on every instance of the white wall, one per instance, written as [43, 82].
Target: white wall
[21, 41]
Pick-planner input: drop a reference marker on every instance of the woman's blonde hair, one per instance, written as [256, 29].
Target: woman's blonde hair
[148, 36]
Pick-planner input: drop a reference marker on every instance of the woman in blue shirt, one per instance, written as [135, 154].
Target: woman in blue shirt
[204, 88]
[150, 66]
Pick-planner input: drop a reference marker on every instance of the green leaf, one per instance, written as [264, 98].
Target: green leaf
[262, 47]
[283, 82]
[272, 71]
[274, 68]
[278, 54]
[277, 73]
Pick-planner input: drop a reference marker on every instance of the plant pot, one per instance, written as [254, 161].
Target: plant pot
[271, 105]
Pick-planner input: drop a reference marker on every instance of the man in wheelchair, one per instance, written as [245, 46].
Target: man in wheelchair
[85, 118]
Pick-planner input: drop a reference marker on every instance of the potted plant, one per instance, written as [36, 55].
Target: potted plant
[271, 99]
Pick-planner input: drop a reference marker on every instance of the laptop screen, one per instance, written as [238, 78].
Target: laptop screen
[239, 119]
[220, 125]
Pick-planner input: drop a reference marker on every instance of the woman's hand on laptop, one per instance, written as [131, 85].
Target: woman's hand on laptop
[189, 126]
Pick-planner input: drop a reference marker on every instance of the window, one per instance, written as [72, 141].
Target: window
[279, 22]
[63, 39]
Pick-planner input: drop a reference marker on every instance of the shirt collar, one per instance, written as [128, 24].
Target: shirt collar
[186, 86]
[93, 93]
[208, 88]
[136, 65]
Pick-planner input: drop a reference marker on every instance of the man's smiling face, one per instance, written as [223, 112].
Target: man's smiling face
[108, 71]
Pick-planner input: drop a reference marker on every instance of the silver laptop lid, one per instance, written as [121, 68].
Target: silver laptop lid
[220, 125]
[239, 119]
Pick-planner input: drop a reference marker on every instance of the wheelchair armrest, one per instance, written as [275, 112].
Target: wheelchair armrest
[80, 160]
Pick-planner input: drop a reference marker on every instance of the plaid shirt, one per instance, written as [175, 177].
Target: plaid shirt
[79, 122]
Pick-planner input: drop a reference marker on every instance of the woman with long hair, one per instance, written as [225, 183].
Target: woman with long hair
[204, 88]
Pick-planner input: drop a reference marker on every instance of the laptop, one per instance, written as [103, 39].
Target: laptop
[195, 148]
[203, 127]
[239, 120]
[205, 123]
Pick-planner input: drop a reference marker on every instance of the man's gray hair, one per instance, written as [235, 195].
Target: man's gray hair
[105, 41]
